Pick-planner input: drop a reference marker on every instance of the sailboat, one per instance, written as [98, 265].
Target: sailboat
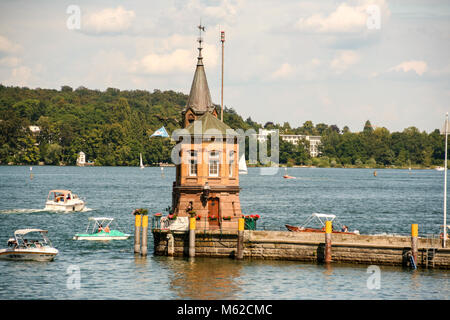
[242, 165]
[140, 161]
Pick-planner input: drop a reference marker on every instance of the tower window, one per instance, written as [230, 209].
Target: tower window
[214, 164]
[193, 163]
[231, 163]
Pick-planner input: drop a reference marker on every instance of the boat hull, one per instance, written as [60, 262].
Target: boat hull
[28, 254]
[299, 229]
[102, 236]
[51, 206]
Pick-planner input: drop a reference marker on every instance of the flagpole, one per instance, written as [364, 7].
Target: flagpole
[445, 183]
[222, 39]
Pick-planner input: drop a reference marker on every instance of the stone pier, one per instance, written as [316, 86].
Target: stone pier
[305, 246]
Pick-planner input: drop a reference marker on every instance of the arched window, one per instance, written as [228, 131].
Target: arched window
[192, 163]
[214, 163]
[231, 164]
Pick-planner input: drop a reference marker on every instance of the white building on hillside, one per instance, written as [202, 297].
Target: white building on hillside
[314, 141]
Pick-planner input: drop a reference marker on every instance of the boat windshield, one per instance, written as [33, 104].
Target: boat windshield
[322, 218]
[98, 223]
[32, 239]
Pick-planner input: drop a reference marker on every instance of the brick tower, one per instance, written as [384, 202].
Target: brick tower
[207, 179]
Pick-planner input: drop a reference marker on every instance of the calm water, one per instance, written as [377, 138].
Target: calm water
[388, 203]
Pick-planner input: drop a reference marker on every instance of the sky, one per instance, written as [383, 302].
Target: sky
[333, 62]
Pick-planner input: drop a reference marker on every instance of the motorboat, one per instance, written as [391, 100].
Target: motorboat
[288, 177]
[99, 228]
[29, 244]
[440, 168]
[63, 200]
[321, 218]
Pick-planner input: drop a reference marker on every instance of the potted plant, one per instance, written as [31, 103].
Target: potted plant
[172, 216]
[192, 213]
[226, 218]
[198, 217]
[212, 218]
[159, 214]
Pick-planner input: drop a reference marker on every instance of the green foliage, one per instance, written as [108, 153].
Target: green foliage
[113, 127]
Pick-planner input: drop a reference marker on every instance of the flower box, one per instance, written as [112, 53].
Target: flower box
[226, 218]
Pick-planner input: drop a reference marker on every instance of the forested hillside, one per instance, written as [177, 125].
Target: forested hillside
[113, 126]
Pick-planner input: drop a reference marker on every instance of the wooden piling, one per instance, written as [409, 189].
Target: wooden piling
[414, 241]
[144, 235]
[137, 231]
[192, 237]
[328, 231]
[240, 242]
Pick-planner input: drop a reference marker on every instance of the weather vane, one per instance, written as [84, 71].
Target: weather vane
[200, 39]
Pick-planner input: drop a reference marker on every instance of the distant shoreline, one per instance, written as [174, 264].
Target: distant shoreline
[250, 166]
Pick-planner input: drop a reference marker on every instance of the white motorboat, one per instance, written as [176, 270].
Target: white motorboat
[28, 245]
[439, 168]
[63, 200]
[99, 229]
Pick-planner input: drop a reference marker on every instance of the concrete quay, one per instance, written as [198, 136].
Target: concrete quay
[306, 246]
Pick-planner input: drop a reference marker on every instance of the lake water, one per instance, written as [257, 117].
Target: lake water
[388, 203]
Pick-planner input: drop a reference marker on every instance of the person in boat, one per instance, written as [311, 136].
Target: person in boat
[107, 229]
[100, 228]
[344, 229]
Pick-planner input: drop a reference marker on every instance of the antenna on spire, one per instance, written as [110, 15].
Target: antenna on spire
[200, 39]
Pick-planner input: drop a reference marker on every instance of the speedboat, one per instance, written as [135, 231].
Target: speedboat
[440, 168]
[321, 218]
[63, 200]
[99, 229]
[288, 177]
[25, 247]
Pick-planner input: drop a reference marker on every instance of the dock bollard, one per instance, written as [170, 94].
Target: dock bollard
[240, 242]
[328, 230]
[414, 236]
[192, 237]
[137, 231]
[144, 235]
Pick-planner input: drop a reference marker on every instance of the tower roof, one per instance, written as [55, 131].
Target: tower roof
[209, 125]
[200, 98]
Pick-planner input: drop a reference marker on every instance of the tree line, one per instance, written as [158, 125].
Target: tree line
[113, 126]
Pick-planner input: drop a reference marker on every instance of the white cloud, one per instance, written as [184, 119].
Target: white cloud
[419, 67]
[284, 71]
[178, 60]
[9, 62]
[20, 76]
[346, 18]
[7, 45]
[343, 60]
[109, 20]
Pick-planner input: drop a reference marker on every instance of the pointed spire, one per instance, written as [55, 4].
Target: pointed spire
[200, 98]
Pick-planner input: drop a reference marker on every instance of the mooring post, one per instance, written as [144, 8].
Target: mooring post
[414, 236]
[240, 242]
[137, 231]
[328, 230]
[192, 237]
[144, 235]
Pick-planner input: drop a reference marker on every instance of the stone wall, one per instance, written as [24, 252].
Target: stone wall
[303, 246]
